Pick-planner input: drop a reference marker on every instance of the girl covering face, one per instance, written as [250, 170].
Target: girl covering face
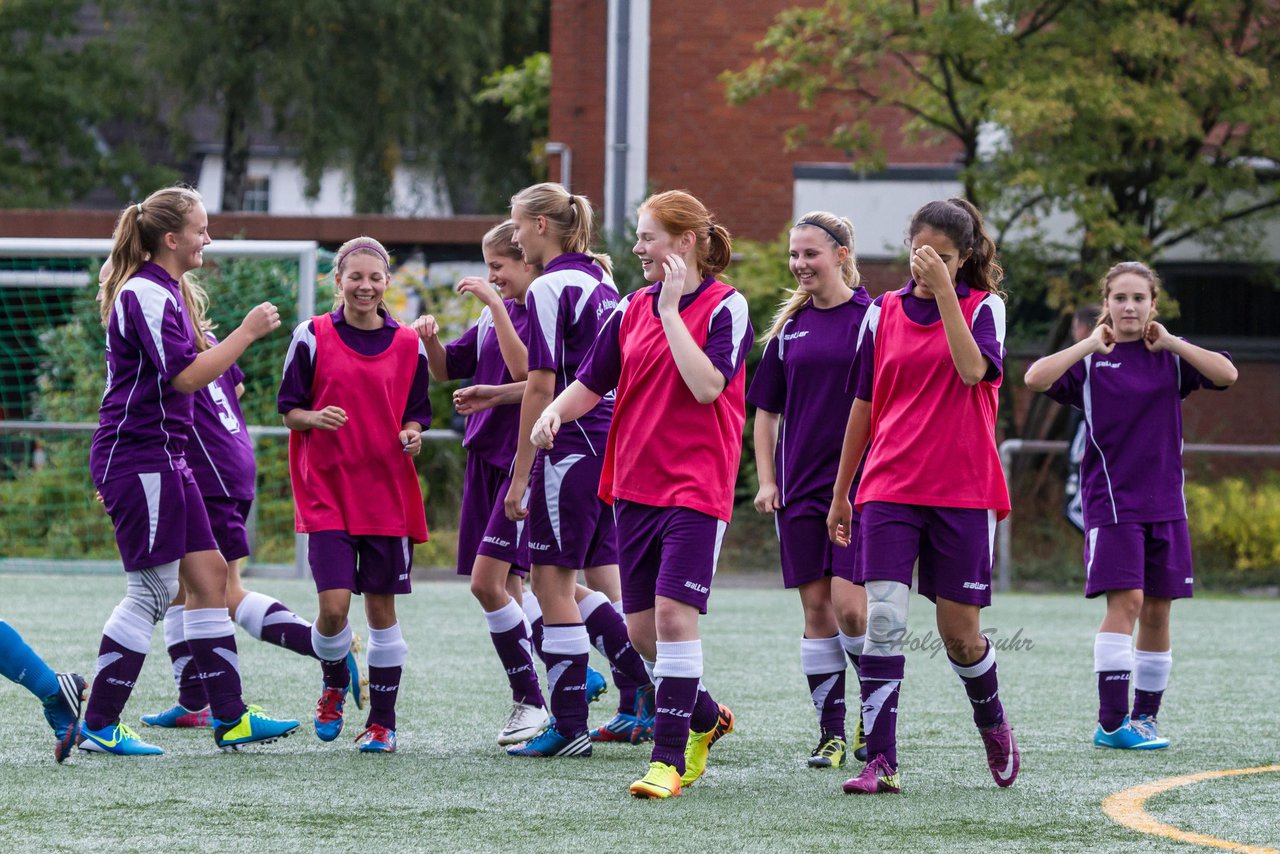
[1129, 378]
[925, 383]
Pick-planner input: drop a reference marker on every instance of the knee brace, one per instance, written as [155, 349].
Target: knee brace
[150, 591]
[886, 617]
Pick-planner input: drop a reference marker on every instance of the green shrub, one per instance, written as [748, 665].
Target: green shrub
[1235, 529]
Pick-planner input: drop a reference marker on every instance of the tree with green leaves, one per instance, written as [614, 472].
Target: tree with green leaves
[61, 96]
[1148, 123]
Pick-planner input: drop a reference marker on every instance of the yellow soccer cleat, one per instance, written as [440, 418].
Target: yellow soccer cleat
[699, 745]
[662, 781]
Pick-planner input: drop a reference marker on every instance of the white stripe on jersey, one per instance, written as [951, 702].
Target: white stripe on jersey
[870, 323]
[737, 305]
[483, 327]
[782, 336]
[547, 290]
[302, 334]
[993, 302]
[152, 299]
[1087, 396]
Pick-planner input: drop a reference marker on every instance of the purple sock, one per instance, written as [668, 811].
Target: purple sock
[384, 688]
[608, 633]
[1146, 702]
[212, 641]
[335, 674]
[509, 633]
[827, 692]
[706, 711]
[564, 649]
[535, 639]
[626, 690]
[881, 680]
[284, 628]
[677, 697]
[186, 676]
[118, 669]
[1113, 698]
[982, 686]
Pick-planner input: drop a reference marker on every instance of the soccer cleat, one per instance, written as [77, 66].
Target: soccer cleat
[550, 742]
[597, 685]
[645, 713]
[62, 711]
[662, 781]
[1003, 757]
[252, 727]
[328, 719]
[829, 753]
[179, 717]
[353, 668]
[876, 778]
[523, 723]
[617, 728]
[117, 740]
[699, 746]
[859, 741]
[1147, 723]
[1130, 735]
[377, 739]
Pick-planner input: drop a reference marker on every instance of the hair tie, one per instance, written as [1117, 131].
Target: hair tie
[366, 246]
[139, 208]
[834, 236]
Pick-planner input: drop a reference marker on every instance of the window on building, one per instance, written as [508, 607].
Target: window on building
[1226, 302]
[257, 194]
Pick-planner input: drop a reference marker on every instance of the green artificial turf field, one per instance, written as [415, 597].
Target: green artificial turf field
[451, 788]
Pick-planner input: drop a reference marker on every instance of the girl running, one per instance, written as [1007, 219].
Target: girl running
[225, 472]
[801, 378]
[1129, 377]
[925, 380]
[492, 549]
[354, 392]
[570, 528]
[138, 464]
[675, 348]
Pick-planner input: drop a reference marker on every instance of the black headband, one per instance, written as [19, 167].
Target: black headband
[834, 236]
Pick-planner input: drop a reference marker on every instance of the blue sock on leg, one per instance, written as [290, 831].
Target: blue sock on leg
[19, 663]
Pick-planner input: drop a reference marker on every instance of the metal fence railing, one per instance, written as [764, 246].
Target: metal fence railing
[298, 568]
[1010, 448]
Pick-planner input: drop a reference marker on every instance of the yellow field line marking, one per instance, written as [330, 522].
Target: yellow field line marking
[1128, 807]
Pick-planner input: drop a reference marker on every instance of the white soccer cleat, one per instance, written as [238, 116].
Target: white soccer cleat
[523, 723]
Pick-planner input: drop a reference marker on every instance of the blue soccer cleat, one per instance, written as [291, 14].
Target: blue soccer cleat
[117, 740]
[328, 719]
[645, 714]
[617, 728]
[551, 743]
[377, 739]
[62, 711]
[252, 727]
[179, 717]
[353, 667]
[597, 685]
[1130, 735]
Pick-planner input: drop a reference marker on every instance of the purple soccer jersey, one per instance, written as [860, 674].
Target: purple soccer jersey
[1132, 404]
[568, 304]
[143, 421]
[299, 365]
[803, 376]
[728, 339]
[988, 328]
[490, 434]
[220, 452]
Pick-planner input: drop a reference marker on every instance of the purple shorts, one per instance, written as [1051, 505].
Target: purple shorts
[1154, 557]
[158, 517]
[666, 551]
[807, 552]
[227, 520]
[361, 564]
[953, 544]
[484, 528]
[569, 526]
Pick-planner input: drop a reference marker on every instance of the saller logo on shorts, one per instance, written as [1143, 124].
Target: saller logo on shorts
[497, 541]
[696, 587]
[539, 547]
[974, 585]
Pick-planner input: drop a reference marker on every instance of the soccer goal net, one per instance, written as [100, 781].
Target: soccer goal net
[51, 382]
